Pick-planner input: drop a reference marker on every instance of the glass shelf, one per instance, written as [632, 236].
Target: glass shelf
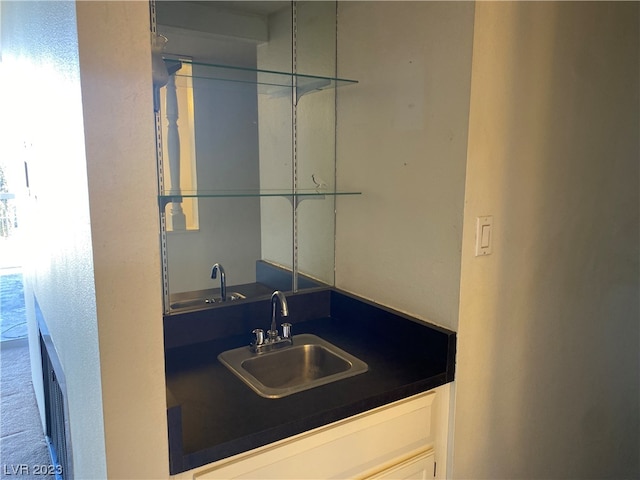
[254, 193]
[167, 197]
[269, 82]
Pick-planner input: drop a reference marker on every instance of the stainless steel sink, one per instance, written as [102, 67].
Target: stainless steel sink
[201, 302]
[308, 363]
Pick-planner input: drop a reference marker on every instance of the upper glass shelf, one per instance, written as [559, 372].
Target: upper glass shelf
[268, 82]
[167, 194]
[296, 197]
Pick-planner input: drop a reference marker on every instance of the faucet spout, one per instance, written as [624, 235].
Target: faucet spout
[223, 280]
[272, 340]
[284, 311]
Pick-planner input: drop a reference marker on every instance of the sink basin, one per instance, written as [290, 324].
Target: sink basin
[308, 363]
[201, 302]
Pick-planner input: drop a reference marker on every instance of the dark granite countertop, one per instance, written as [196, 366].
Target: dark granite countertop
[212, 414]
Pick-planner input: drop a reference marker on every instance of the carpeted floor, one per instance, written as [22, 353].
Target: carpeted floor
[23, 448]
[24, 452]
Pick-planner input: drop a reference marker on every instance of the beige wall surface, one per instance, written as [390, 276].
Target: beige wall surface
[115, 67]
[547, 367]
[402, 141]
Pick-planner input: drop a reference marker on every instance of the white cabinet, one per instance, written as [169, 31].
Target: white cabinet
[393, 441]
[417, 467]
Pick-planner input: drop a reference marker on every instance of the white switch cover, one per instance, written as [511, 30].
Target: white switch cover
[484, 235]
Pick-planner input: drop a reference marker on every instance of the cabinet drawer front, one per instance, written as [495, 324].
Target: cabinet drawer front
[416, 467]
[346, 449]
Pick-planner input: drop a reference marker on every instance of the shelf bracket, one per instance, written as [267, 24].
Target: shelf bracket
[297, 198]
[166, 200]
[311, 86]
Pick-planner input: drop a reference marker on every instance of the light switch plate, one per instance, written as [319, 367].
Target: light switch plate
[484, 235]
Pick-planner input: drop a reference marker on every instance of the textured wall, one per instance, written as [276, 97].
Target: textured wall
[402, 141]
[402, 137]
[80, 84]
[547, 371]
[40, 57]
[115, 68]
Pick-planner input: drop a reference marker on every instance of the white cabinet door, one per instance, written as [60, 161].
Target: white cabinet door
[419, 467]
[356, 447]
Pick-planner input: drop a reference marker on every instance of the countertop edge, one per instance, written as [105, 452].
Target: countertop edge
[321, 419]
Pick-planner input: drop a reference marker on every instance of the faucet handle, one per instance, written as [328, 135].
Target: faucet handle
[286, 330]
[259, 333]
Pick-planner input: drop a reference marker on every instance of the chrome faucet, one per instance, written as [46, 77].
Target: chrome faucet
[273, 340]
[284, 311]
[223, 281]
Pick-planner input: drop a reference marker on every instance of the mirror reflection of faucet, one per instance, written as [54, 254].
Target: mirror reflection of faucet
[223, 280]
[273, 340]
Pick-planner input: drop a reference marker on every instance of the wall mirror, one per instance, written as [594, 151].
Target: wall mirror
[245, 97]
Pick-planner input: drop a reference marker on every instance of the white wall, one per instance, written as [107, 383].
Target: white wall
[81, 76]
[402, 141]
[547, 368]
[546, 322]
[43, 95]
[121, 168]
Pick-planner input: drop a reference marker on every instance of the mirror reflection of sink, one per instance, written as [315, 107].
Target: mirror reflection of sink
[188, 304]
[201, 302]
[230, 296]
[308, 363]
